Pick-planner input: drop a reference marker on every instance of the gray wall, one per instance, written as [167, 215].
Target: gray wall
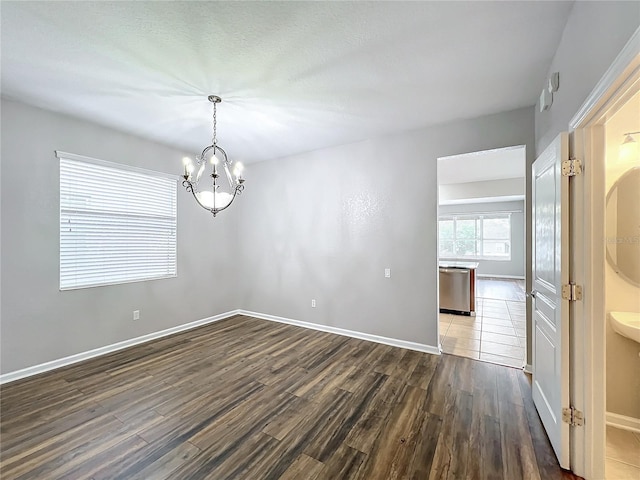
[514, 267]
[41, 323]
[594, 35]
[325, 225]
[375, 208]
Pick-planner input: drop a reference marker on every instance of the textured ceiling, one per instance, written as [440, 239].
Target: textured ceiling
[294, 76]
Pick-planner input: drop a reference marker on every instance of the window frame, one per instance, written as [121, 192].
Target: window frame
[122, 168]
[479, 238]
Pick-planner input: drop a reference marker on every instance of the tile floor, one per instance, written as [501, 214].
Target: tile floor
[623, 455]
[497, 333]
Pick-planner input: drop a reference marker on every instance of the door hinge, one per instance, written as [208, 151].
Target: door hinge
[571, 292]
[573, 417]
[571, 167]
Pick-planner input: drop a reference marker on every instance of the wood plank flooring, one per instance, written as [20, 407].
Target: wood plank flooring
[251, 399]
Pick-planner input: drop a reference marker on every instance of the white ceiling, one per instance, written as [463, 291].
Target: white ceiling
[482, 166]
[295, 76]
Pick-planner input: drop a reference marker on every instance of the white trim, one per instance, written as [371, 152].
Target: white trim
[420, 347]
[578, 273]
[106, 163]
[484, 152]
[589, 382]
[528, 368]
[613, 73]
[97, 352]
[490, 275]
[621, 421]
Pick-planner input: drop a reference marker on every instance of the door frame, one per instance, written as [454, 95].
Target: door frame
[588, 340]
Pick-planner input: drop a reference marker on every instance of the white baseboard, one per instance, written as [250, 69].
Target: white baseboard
[528, 368]
[79, 357]
[420, 347]
[511, 277]
[97, 352]
[626, 423]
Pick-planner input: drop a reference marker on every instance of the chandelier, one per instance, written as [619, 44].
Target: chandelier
[211, 196]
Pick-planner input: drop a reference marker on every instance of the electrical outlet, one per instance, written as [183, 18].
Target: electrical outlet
[136, 314]
[387, 273]
[313, 303]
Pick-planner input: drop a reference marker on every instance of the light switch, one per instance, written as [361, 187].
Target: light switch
[387, 273]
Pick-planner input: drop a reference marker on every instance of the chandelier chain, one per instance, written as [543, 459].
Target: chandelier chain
[214, 139]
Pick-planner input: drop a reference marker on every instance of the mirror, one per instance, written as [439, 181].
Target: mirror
[623, 226]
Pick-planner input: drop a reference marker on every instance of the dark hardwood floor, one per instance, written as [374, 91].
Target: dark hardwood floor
[251, 399]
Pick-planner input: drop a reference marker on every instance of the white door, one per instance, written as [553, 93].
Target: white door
[550, 312]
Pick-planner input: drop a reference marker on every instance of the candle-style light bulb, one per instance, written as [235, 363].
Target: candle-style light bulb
[188, 166]
[237, 170]
[214, 162]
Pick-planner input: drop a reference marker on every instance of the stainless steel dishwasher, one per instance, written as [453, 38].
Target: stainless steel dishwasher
[455, 289]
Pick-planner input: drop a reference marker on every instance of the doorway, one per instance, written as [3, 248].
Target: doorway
[497, 333]
[590, 339]
[481, 226]
[622, 289]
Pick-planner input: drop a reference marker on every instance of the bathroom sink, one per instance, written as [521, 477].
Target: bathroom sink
[626, 324]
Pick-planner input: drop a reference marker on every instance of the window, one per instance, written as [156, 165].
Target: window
[484, 236]
[117, 223]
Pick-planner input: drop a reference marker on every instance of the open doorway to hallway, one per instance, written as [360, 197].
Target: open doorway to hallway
[497, 333]
[481, 235]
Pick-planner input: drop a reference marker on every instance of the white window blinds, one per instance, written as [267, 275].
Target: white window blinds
[117, 223]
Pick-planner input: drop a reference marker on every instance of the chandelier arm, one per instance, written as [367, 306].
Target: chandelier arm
[218, 147]
[190, 188]
[207, 148]
[237, 191]
[226, 164]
